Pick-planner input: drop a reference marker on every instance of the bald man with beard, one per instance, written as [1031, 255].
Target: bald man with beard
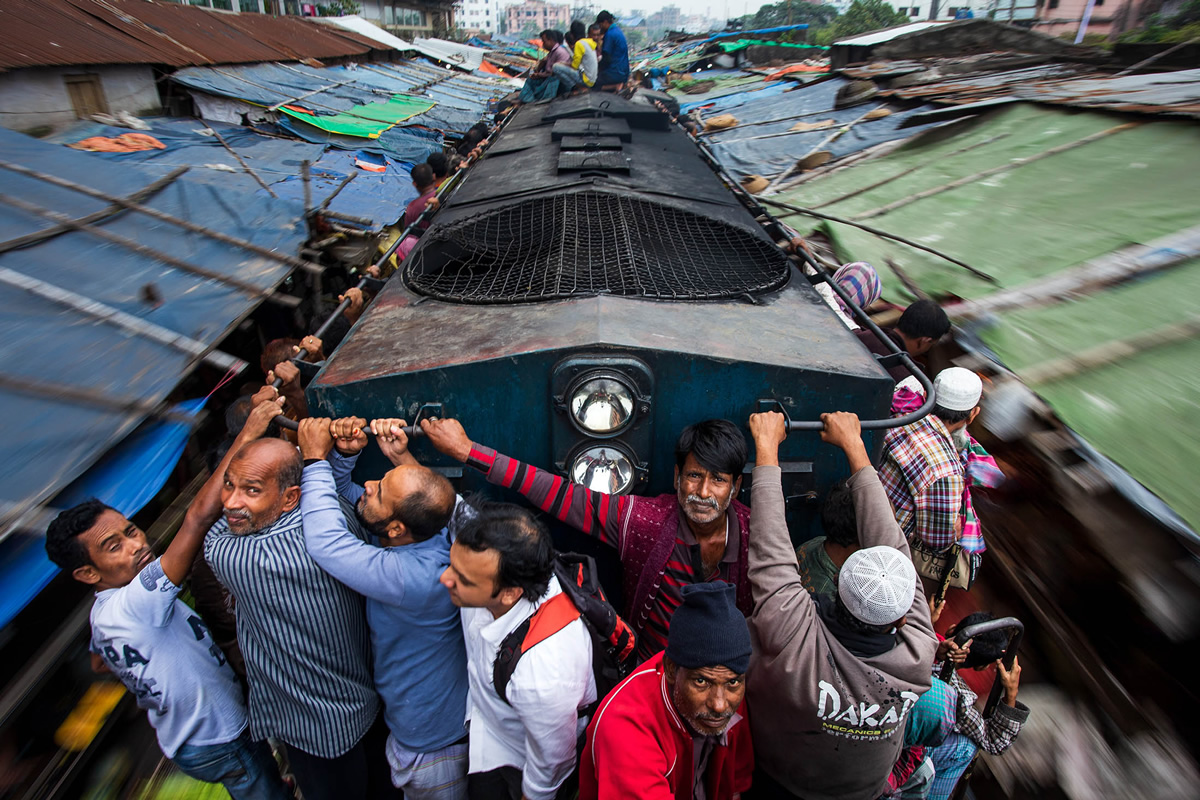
[303, 633]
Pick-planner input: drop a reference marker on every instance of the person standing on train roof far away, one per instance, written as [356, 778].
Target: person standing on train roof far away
[677, 727]
[697, 534]
[303, 634]
[416, 634]
[157, 646]
[614, 54]
[832, 678]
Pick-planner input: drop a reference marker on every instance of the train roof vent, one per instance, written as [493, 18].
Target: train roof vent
[587, 243]
[591, 128]
[591, 143]
[602, 160]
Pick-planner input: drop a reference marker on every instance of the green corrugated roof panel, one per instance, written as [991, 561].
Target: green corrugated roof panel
[1037, 220]
[1023, 223]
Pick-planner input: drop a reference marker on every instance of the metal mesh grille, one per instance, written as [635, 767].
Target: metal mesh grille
[590, 243]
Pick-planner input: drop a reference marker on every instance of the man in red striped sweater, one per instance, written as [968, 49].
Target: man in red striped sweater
[700, 533]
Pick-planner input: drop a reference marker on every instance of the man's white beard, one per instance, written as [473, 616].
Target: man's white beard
[961, 438]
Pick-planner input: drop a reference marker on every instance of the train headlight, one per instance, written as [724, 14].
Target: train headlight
[603, 468]
[601, 405]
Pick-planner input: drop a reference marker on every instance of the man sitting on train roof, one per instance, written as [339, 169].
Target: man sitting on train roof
[917, 331]
[833, 677]
[922, 467]
[544, 83]
[522, 743]
[162, 651]
[683, 708]
[699, 533]
[303, 634]
[416, 634]
[583, 67]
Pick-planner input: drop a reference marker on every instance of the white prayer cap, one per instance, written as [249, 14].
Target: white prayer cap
[877, 585]
[957, 389]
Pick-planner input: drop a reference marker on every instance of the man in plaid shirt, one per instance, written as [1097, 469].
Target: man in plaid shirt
[972, 731]
[921, 468]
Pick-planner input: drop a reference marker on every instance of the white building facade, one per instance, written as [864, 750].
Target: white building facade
[479, 15]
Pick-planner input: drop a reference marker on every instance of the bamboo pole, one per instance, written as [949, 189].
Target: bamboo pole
[306, 176]
[831, 137]
[79, 395]
[132, 205]
[298, 98]
[908, 171]
[796, 210]
[149, 252]
[241, 161]
[876, 212]
[1110, 352]
[345, 182]
[104, 213]
[126, 322]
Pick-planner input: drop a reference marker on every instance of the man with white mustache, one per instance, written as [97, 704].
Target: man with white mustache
[698, 534]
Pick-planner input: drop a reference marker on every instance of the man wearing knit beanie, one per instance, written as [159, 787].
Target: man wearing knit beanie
[676, 727]
[833, 677]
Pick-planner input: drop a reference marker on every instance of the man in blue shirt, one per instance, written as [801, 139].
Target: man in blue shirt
[614, 54]
[416, 632]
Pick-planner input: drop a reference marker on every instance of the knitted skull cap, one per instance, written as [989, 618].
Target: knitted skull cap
[957, 389]
[707, 630]
[877, 585]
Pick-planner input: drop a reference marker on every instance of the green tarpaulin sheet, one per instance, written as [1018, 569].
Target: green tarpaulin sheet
[368, 120]
[1035, 220]
[742, 44]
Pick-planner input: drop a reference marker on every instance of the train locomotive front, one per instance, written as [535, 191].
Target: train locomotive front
[589, 289]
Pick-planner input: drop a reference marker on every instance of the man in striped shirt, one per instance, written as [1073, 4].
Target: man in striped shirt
[302, 633]
[698, 534]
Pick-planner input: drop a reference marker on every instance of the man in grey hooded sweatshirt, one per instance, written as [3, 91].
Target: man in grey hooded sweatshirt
[833, 677]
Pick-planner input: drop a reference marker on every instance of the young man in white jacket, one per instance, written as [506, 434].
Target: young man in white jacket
[522, 745]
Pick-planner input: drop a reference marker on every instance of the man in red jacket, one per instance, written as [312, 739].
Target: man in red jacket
[676, 728]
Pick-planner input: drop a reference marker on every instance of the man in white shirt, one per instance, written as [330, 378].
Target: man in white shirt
[522, 745]
[157, 646]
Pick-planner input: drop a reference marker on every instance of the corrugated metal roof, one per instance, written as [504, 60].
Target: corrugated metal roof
[458, 55]
[68, 32]
[887, 34]
[353, 22]
[1166, 93]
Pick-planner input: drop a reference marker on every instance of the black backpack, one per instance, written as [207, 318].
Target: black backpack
[613, 641]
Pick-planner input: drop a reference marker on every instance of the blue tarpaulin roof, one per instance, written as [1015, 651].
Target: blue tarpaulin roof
[128, 478]
[770, 149]
[461, 99]
[74, 385]
[377, 196]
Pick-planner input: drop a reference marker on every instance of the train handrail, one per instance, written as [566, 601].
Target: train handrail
[445, 190]
[896, 356]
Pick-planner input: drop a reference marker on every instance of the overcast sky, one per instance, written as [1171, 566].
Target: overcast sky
[717, 9]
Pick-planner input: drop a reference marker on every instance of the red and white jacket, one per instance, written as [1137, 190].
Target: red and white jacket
[638, 746]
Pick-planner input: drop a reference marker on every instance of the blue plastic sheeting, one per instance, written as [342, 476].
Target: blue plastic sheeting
[770, 149]
[58, 438]
[127, 479]
[378, 196]
[274, 159]
[412, 145]
[722, 101]
[461, 100]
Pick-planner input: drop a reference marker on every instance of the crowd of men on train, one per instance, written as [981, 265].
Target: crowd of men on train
[370, 623]
[586, 58]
